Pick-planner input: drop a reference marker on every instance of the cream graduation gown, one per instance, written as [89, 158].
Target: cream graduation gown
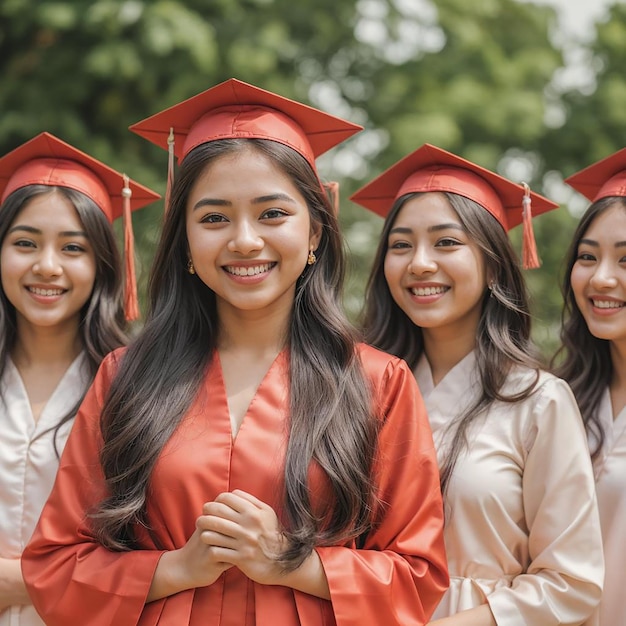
[610, 474]
[522, 530]
[28, 463]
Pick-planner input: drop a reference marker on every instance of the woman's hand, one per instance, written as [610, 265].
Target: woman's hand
[240, 530]
[194, 565]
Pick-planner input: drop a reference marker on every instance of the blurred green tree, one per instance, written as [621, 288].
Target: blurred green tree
[474, 78]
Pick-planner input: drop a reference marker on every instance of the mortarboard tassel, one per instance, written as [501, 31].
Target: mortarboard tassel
[170, 168]
[131, 304]
[332, 189]
[530, 258]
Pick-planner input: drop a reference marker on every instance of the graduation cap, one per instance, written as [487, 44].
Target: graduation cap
[602, 179]
[430, 169]
[234, 109]
[47, 160]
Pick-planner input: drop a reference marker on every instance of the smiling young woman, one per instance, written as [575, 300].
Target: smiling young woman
[446, 294]
[61, 312]
[593, 354]
[257, 465]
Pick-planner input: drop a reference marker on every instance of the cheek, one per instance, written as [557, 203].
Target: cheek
[578, 279]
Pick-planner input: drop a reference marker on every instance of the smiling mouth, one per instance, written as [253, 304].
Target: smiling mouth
[252, 270]
[428, 291]
[607, 304]
[46, 292]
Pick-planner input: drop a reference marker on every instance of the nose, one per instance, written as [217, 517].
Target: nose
[603, 277]
[422, 262]
[47, 264]
[246, 238]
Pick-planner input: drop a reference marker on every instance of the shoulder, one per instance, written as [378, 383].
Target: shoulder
[543, 383]
[379, 365]
[109, 367]
[391, 379]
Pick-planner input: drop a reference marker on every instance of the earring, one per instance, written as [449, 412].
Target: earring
[190, 268]
[491, 286]
[312, 258]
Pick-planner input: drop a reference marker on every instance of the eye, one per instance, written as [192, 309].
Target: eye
[446, 242]
[74, 247]
[272, 214]
[585, 256]
[24, 243]
[213, 218]
[399, 245]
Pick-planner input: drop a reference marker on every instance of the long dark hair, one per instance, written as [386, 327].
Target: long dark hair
[331, 418]
[503, 333]
[102, 323]
[583, 360]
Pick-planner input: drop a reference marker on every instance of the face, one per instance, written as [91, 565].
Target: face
[598, 277]
[436, 275]
[249, 233]
[47, 265]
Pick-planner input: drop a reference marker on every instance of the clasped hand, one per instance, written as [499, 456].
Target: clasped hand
[236, 529]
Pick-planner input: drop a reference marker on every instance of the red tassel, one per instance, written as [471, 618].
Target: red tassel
[332, 188]
[131, 303]
[170, 168]
[530, 257]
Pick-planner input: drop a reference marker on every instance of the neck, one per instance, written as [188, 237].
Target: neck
[444, 350]
[252, 332]
[45, 346]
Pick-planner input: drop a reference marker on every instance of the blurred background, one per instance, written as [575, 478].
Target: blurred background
[535, 90]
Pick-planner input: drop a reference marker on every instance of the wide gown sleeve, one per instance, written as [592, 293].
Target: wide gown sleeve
[563, 582]
[400, 574]
[70, 577]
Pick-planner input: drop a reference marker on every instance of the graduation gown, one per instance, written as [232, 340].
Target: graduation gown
[397, 577]
[522, 530]
[28, 463]
[610, 473]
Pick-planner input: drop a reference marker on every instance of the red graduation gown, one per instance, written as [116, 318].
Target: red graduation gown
[397, 577]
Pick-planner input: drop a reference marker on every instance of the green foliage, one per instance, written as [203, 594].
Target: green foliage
[471, 77]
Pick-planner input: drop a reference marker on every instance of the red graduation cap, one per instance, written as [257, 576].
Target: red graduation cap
[430, 168]
[237, 109]
[602, 179]
[47, 160]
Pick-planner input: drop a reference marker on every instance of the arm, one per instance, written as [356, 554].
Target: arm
[71, 578]
[12, 588]
[563, 582]
[400, 574]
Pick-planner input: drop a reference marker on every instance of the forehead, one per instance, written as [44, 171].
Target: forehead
[426, 210]
[249, 168]
[611, 224]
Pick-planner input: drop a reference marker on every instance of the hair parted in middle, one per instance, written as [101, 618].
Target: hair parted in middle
[331, 417]
[583, 360]
[102, 325]
[503, 334]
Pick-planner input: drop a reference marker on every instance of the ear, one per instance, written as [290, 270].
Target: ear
[315, 236]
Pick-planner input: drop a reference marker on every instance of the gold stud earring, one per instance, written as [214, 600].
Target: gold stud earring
[190, 268]
[312, 258]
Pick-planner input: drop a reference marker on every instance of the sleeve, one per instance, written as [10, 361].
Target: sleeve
[70, 577]
[563, 583]
[400, 574]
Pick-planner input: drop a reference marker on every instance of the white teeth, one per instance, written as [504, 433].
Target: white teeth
[427, 291]
[45, 292]
[607, 304]
[248, 271]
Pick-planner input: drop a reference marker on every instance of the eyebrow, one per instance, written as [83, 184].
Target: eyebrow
[402, 230]
[37, 231]
[595, 244]
[260, 200]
